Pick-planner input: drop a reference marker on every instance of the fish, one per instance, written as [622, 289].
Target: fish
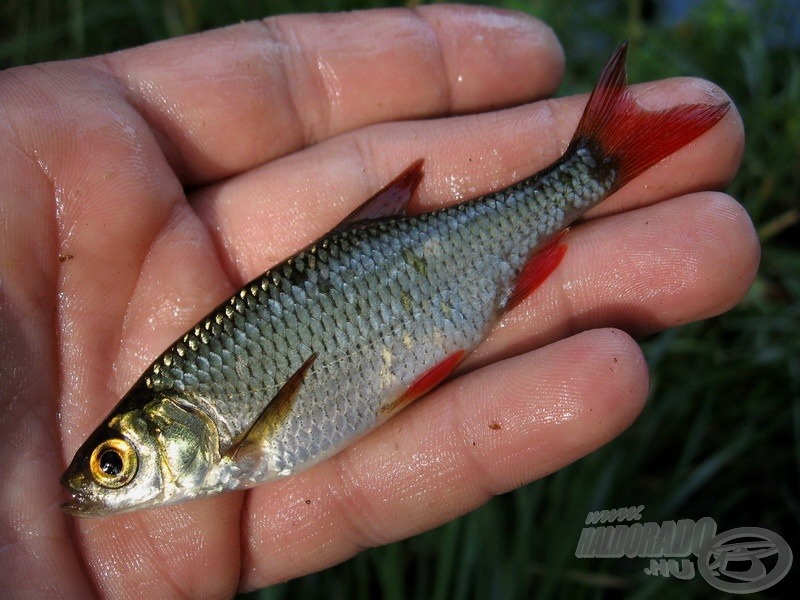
[326, 346]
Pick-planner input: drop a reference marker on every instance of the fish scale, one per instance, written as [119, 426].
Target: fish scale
[323, 347]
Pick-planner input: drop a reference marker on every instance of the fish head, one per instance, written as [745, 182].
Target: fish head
[142, 457]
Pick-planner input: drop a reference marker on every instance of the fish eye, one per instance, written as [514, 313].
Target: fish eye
[113, 463]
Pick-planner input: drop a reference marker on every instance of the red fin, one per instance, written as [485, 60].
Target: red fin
[427, 381]
[538, 268]
[632, 138]
[392, 200]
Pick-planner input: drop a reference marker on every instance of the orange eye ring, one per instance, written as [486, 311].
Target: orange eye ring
[113, 463]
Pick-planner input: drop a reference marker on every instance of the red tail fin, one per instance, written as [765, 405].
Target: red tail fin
[632, 138]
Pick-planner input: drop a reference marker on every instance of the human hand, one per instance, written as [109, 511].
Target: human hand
[278, 129]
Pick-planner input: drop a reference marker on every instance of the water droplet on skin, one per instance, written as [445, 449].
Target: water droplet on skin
[331, 80]
[454, 186]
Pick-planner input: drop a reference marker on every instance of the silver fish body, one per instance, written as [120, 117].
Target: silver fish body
[380, 304]
[323, 347]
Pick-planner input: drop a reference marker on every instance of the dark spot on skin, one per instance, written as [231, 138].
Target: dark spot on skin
[308, 501]
[63, 257]
[616, 359]
[495, 425]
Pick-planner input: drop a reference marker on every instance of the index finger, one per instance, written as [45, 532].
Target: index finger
[224, 101]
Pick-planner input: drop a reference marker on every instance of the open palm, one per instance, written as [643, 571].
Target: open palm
[139, 189]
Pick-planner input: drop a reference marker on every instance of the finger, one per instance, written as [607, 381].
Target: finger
[185, 551]
[227, 100]
[645, 270]
[262, 216]
[482, 434]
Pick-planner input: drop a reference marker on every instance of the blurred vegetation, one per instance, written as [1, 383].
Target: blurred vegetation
[721, 434]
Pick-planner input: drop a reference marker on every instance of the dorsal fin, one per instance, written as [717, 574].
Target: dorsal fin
[392, 200]
[272, 417]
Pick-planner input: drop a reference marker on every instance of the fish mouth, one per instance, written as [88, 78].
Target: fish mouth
[75, 507]
[81, 505]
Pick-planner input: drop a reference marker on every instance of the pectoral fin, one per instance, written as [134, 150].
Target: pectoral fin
[272, 417]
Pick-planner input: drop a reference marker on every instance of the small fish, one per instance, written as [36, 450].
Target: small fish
[325, 346]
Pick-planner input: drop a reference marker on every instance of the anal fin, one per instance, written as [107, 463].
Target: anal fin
[538, 268]
[272, 417]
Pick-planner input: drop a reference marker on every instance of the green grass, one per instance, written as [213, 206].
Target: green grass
[721, 434]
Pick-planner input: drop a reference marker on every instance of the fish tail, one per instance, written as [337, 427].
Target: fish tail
[628, 138]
